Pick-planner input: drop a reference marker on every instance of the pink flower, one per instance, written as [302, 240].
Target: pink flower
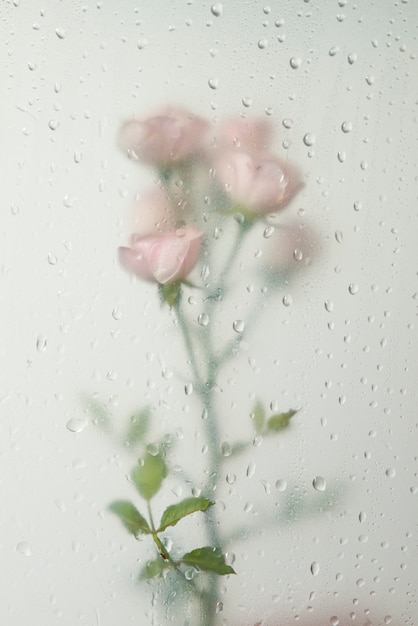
[244, 133]
[170, 135]
[163, 257]
[260, 184]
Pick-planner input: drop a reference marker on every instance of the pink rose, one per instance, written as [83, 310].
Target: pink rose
[260, 184]
[170, 135]
[244, 133]
[163, 257]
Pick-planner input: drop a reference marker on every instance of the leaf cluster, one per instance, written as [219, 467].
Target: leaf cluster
[148, 477]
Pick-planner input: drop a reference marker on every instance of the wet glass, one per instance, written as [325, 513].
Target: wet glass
[317, 513]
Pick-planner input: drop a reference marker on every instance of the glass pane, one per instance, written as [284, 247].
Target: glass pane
[216, 424]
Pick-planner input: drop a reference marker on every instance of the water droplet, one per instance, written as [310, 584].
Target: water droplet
[142, 43]
[203, 319]
[251, 469]
[77, 424]
[247, 102]
[333, 51]
[319, 483]
[266, 486]
[353, 288]
[41, 343]
[329, 305]
[262, 44]
[287, 300]
[68, 201]
[60, 33]
[362, 516]
[309, 139]
[189, 573]
[341, 156]
[360, 582]
[295, 63]
[315, 568]
[24, 548]
[248, 507]
[281, 484]
[338, 236]
[352, 58]
[116, 313]
[219, 607]
[238, 326]
[188, 389]
[213, 83]
[52, 259]
[268, 232]
[53, 124]
[390, 472]
[346, 127]
[217, 9]
[297, 254]
[78, 156]
[230, 479]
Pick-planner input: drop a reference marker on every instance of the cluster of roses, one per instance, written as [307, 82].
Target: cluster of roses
[229, 161]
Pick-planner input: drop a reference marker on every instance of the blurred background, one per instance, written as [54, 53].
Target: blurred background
[338, 82]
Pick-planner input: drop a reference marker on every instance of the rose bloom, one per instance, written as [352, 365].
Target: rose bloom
[164, 258]
[170, 135]
[260, 183]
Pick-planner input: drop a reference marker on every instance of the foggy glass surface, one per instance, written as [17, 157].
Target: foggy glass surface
[338, 82]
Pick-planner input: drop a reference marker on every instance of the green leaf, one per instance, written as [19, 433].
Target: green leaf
[138, 427]
[176, 512]
[98, 411]
[170, 293]
[153, 569]
[259, 416]
[208, 559]
[279, 421]
[149, 475]
[130, 517]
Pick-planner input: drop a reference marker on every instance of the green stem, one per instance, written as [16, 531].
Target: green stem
[200, 594]
[205, 386]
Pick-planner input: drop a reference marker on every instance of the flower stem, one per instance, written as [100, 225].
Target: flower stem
[205, 384]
